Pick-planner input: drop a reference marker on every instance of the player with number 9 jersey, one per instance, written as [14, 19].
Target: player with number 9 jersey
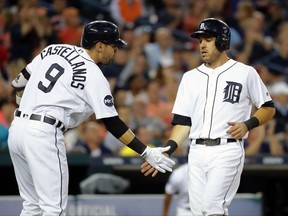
[64, 82]
[62, 87]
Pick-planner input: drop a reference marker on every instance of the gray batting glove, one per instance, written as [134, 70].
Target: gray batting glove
[157, 160]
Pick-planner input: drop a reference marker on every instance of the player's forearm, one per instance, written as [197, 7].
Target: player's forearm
[132, 142]
[261, 116]
[19, 84]
[121, 131]
[264, 114]
[21, 80]
[127, 137]
[179, 133]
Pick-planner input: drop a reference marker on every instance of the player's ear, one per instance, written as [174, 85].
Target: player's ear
[99, 46]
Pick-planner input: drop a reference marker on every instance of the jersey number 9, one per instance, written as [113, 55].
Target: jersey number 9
[49, 76]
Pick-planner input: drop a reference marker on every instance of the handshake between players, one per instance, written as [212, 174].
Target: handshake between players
[156, 161]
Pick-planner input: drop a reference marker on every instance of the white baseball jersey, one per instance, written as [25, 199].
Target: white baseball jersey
[67, 84]
[178, 184]
[214, 97]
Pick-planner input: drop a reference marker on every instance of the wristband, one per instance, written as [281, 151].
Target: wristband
[137, 145]
[252, 123]
[173, 146]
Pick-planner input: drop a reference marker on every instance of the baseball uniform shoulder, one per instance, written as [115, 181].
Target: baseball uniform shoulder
[191, 73]
[243, 66]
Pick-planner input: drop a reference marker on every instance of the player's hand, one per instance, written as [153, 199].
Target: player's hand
[156, 158]
[147, 169]
[237, 129]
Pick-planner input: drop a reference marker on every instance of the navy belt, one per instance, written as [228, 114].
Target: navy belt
[214, 142]
[46, 119]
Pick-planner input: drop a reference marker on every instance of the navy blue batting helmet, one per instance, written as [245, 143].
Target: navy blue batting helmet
[101, 31]
[216, 28]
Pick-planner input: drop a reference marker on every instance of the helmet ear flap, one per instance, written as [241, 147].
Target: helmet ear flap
[222, 42]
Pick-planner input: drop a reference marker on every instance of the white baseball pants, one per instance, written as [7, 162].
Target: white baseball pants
[39, 159]
[214, 177]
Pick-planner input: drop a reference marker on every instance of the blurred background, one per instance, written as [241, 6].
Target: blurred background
[144, 78]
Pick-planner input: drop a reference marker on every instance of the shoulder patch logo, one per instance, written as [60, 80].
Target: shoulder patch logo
[108, 101]
[232, 92]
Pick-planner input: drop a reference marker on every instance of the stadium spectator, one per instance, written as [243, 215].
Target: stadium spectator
[55, 13]
[157, 106]
[279, 58]
[270, 139]
[171, 15]
[127, 11]
[92, 141]
[137, 61]
[244, 11]
[71, 31]
[254, 143]
[279, 93]
[275, 16]
[270, 71]
[134, 88]
[162, 47]
[7, 108]
[73, 136]
[255, 44]
[140, 117]
[195, 12]
[110, 141]
[23, 34]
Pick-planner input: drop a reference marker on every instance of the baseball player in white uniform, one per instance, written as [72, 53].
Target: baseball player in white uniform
[213, 108]
[177, 184]
[63, 86]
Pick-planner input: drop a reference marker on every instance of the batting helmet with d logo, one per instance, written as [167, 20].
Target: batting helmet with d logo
[216, 28]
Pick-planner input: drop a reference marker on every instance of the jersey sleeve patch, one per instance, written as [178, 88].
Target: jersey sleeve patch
[108, 101]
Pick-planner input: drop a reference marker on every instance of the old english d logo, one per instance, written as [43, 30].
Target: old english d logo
[202, 26]
[232, 92]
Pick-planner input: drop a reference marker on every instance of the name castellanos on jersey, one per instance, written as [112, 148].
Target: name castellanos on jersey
[71, 56]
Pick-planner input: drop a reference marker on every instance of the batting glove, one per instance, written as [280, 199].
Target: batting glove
[157, 160]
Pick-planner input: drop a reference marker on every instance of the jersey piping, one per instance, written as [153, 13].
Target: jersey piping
[88, 59]
[60, 169]
[241, 158]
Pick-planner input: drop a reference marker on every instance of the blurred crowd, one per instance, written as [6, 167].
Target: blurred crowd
[144, 76]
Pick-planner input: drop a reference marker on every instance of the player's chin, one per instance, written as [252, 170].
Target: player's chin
[204, 57]
[107, 61]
